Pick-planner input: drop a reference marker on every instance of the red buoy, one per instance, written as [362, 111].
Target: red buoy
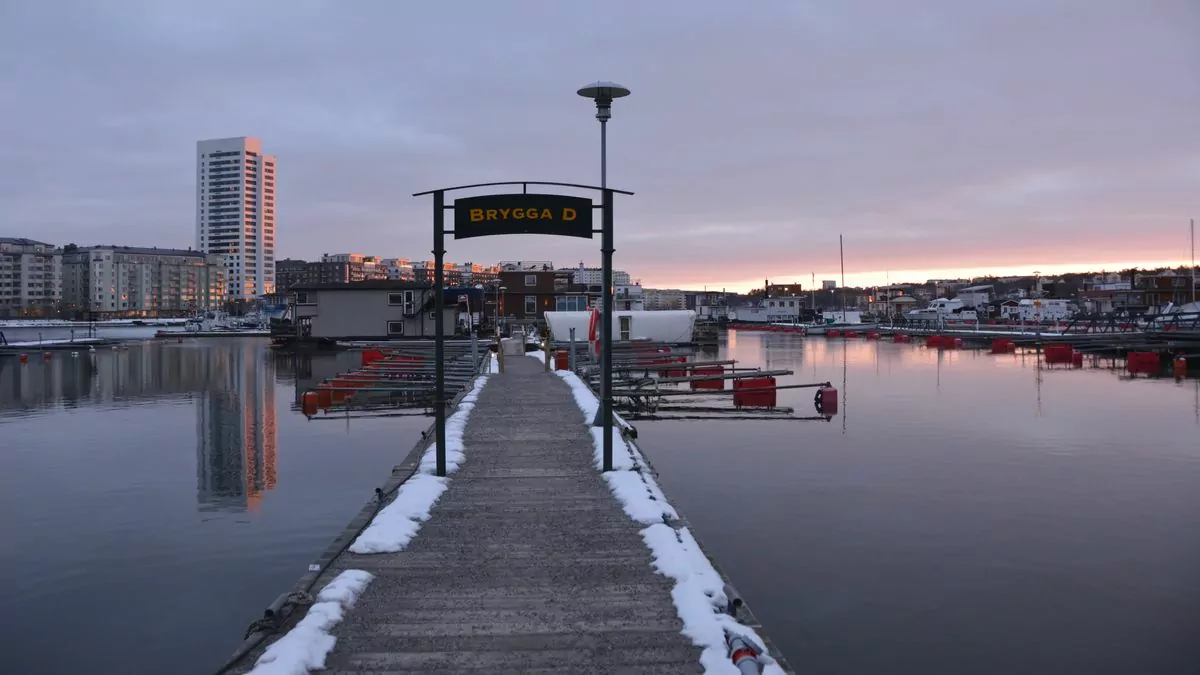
[827, 398]
[23, 358]
[308, 403]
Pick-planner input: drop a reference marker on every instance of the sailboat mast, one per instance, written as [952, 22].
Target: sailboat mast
[842, 260]
[1193, 222]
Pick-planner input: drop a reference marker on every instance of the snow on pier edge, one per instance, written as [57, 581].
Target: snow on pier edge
[397, 523]
[699, 591]
[306, 645]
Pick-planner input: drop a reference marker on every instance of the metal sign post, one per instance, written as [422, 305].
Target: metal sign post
[521, 213]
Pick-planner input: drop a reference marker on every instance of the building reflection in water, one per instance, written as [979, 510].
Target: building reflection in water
[231, 384]
[236, 431]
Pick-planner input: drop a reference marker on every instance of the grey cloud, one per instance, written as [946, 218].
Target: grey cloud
[928, 133]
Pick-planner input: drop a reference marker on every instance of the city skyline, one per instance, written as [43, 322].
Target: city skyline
[995, 136]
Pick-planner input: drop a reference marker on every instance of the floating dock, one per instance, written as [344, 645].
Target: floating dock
[531, 560]
[33, 348]
[248, 333]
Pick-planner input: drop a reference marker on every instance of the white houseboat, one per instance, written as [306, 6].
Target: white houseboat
[668, 326]
[772, 310]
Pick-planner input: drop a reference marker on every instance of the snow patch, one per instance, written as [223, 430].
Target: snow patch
[397, 523]
[700, 599]
[539, 355]
[625, 457]
[699, 591]
[640, 496]
[395, 526]
[305, 646]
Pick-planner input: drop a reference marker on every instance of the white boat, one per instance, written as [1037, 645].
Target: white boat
[948, 309]
[836, 319]
[668, 326]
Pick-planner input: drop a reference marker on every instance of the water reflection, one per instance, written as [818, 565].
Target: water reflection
[977, 496]
[231, 386]
[236, 433]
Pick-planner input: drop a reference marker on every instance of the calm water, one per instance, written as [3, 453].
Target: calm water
[155, 500]
[963, 513]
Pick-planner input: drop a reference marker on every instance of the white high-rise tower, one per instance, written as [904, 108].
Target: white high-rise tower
[235, 212]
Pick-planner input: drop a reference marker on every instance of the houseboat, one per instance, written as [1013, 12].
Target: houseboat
[788, 309]
[666, 326]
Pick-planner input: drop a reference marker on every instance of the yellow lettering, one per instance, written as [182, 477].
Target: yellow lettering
[518, 214]
[568, 214]
[531, 213]
[491, 214]
[476, 215]
[504, 213]
[547, 215]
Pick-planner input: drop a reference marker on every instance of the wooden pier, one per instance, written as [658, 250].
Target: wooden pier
[527, 563]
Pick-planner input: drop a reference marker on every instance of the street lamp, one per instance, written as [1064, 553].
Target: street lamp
[502, 295]
[603, 94]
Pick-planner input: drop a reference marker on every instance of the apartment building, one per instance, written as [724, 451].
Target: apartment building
[664, 298]
[529, 290]
[30, 277]
[398, 269]
[362, 267]
[128, 281]
[235, 212]
[594, 276]
[455, 274]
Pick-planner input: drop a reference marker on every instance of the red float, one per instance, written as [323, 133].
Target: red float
[708, 384]
[1143, 362]
[763, 396]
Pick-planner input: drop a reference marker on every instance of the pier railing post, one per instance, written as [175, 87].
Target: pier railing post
[546, 353]
[571, 354]
[439, 331]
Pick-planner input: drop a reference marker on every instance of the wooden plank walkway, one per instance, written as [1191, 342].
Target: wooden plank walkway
[528, 564]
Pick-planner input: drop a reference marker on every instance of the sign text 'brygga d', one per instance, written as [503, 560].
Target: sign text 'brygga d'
[522, 214]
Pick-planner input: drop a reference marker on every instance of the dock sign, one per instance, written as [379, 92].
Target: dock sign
[487, 215]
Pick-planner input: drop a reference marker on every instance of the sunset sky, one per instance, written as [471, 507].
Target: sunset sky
[942, 138]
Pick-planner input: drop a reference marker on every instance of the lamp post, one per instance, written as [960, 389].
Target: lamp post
[501, 296]
[603, 94]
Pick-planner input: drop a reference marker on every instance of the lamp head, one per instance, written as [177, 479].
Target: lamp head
[603, 93]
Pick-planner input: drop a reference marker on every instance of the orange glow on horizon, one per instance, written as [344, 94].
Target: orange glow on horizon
[740, 284]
